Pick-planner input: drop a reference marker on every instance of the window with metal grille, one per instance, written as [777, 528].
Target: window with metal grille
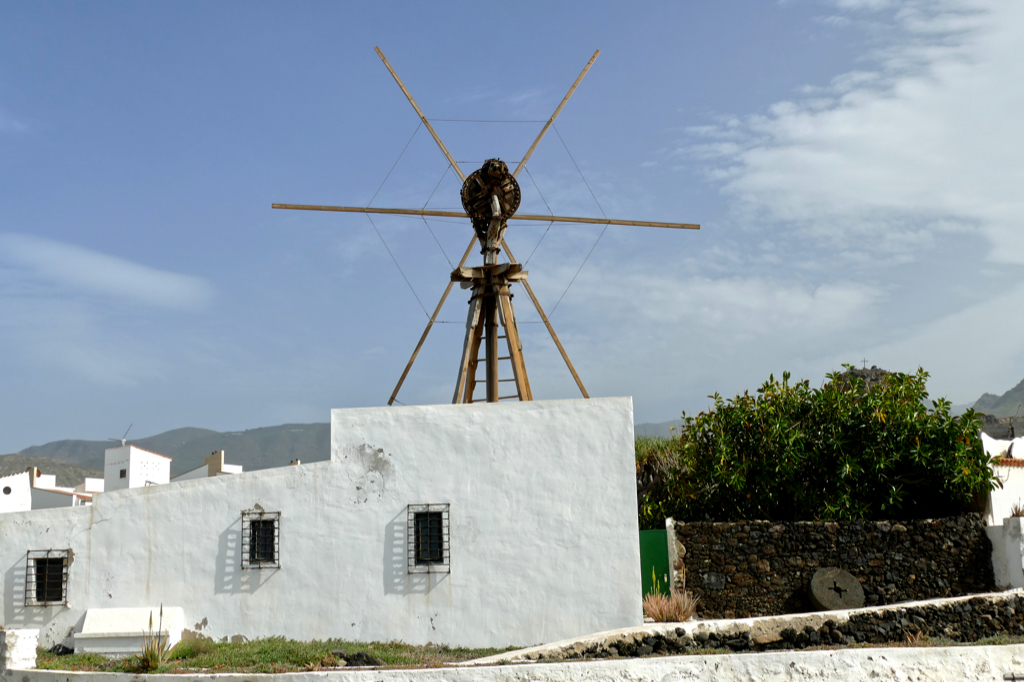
[46, 577]
[261, 533]
[428, 544]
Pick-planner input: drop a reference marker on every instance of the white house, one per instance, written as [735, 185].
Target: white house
[46, 494]
[472, 525]
[15, 492]
[90, 485]
[132, 467]
[212, 466]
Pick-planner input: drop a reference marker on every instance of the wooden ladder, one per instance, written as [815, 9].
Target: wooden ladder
[475, 336]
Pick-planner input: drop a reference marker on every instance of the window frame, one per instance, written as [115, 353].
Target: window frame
[32, 587]
[249, 551]
[415, 543]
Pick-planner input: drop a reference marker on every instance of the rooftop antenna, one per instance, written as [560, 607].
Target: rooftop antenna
[490, 196]
[122, 438]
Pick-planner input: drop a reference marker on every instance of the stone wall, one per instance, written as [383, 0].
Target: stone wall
[960, 619]
[759, 568]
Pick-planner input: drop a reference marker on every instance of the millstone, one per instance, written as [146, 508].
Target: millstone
[833, 589]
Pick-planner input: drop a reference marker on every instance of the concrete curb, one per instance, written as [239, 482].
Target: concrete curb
[879, 665]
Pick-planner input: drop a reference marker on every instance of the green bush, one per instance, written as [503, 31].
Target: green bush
[792, 452]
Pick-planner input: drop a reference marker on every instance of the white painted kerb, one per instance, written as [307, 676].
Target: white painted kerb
[950, 664]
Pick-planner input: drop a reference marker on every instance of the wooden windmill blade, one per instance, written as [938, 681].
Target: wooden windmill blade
[461, 214]
[558, 110]
[419, 112]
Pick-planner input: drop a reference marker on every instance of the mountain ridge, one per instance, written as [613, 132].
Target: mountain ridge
[260, 448]
[1009, 404]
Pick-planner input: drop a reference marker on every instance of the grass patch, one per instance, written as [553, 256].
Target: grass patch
[279, 655]
[272, 655]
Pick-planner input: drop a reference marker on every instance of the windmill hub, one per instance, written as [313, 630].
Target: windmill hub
[490, 196]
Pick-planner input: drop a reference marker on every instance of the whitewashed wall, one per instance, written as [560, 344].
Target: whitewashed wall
[1002, 500]
[544, 534]
[15, 493]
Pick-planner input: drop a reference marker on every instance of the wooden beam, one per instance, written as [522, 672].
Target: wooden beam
[363, 209]
[509, 271]
[466, 380]
[423, 118]
[551, 120]
[603, 221]
[547, 323]
[460, 214]
[437, 311]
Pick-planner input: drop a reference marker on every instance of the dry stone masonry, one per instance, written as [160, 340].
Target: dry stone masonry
[759, 568]
[962, 619]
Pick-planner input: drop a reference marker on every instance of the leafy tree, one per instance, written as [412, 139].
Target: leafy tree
[842, 451]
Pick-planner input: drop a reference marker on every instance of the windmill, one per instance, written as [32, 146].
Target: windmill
[124, 438]
[490, 196]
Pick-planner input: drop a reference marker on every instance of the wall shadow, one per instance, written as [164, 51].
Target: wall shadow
[228, 572]
[229, 576]
[16, 614]
[397, 578]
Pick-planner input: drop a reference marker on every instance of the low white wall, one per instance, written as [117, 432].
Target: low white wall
[544, 537]
[833, 665]
[1007, 553]
[1002, 500]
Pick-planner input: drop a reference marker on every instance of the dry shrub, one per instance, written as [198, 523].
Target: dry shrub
[674, 608]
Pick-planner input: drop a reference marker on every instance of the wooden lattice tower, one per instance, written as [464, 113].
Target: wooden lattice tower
[490, 196]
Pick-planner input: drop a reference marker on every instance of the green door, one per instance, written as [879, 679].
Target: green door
[654, 561]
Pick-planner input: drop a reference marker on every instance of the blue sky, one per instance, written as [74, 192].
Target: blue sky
[855, 166]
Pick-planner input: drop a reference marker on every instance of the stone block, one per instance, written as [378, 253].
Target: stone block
[18, 649]
[121, 631]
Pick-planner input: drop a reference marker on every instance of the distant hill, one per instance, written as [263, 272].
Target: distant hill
[254, 449]
[68, 475]
[1005, 405]
[658, 430]
[89, 453]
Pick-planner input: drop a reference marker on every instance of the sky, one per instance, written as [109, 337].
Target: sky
[855, 166]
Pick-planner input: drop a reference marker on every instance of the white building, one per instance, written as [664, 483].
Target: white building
[46, 494]
[15, 492]
[474, 525]
[212, 466]
[132, 467]
[90, 485]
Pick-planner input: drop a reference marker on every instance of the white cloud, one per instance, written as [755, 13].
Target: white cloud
[77, 270]
[741, 307]
[930, 138]
[864, 4]
[970, 352]
[526, 96]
